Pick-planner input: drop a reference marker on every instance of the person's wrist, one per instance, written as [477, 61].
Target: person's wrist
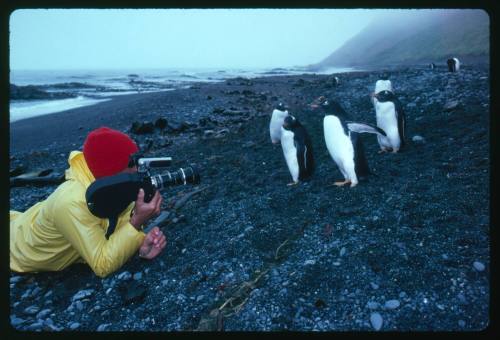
[136, 223]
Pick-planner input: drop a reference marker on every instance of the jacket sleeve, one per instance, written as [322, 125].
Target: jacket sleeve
[85, 233]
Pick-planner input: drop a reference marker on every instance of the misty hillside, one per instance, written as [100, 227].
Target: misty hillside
[418, 36]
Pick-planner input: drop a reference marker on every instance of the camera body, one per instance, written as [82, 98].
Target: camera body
[109, 196]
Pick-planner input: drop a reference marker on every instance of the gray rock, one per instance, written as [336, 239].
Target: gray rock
[391, 304]
[461, 323]
[418, 139]
[55, 328]
[342, 251]
[15, 321]
[372, 305]
[37, 326]
[102, 327]
[83, 294]
[376, 321]
[31, 310]
[79, 305]
[374, 285]
[478, 266]
[48, 294]
[74, 325]
[309, 262]
[453, 104]
[124, 276]
[36, 291]
[15, 279]
[26, 294]
[137, 276]
[43, 313]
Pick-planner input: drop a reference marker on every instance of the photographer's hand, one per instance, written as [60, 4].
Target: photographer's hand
[153, 244]
[144, 211]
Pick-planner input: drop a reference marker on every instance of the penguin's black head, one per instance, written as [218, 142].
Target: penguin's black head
[290, 122]
[384, 76]
[316, 103]
[384, 96]
[281, 106]
[327, 105]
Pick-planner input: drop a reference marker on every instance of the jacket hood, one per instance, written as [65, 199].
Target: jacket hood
[78, 169]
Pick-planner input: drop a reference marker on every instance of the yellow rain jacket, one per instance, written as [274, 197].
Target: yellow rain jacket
[61, 230]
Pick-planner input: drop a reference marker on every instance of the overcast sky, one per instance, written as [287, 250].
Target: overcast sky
[179, 38]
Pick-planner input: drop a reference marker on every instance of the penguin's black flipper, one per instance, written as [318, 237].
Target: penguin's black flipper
[360, 163]
[302, 159]
[363, 127]
[400, 115]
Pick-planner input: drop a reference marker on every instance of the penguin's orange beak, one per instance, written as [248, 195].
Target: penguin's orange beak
[317, 102]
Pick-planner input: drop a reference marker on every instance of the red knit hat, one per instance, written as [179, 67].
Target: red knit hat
[107, 151]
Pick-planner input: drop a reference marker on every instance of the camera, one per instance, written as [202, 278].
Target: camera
[108, 197]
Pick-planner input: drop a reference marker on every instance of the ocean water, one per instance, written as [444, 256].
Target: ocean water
[94, 86]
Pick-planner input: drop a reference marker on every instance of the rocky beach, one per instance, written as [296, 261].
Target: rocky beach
[406, 250]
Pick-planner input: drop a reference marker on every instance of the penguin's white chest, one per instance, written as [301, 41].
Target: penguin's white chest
[290, 153]
[387, 121]
[339, 145]
[277, 119]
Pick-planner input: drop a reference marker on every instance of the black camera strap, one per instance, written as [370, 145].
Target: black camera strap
[111, 227]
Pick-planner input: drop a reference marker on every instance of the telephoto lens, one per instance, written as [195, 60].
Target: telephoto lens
[182, 176]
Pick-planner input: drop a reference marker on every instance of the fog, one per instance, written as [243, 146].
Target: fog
[179, 38]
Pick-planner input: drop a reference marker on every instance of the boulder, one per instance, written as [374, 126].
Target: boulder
[142, 128]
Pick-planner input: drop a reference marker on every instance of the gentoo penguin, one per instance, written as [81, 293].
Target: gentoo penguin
[390, 118]
[277, 118]
[432, 66]
[297, 149]
[343, 142]
[453, 64]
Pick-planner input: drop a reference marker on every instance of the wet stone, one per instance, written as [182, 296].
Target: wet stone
[43, 313]
[31, 310]
[74, 325]
[376, 321]
[83, 294]
[391, 304]
[37, 326]
[124, 276]
[15, 321]
[478, 266]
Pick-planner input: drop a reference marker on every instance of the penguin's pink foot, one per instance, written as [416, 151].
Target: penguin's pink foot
[395, 150]
[339, 184]
[384, 150]
[292, 183]
[353, 184]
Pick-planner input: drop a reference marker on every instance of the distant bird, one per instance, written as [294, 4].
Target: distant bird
[344, 143]
[390, 116]
[453, 64]
[297, 149]
[277, 119]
